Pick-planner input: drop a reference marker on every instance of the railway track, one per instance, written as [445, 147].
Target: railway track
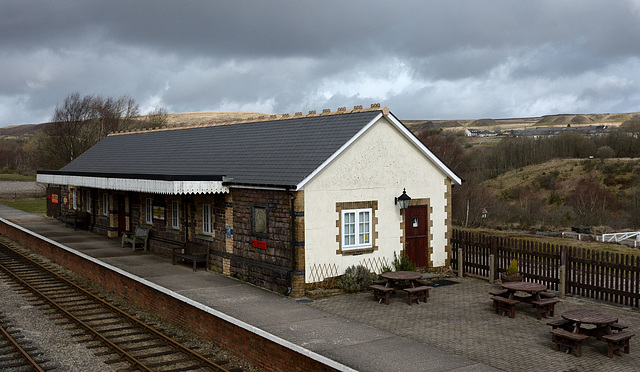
[15, 353]
[104, 327]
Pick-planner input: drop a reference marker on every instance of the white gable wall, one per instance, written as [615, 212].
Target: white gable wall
[376, 167]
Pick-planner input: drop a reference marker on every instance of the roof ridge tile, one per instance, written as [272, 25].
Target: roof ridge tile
[261, 118]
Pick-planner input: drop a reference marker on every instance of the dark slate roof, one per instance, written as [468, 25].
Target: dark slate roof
[268, 153]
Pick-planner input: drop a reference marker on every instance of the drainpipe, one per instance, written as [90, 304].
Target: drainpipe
[293, 242]
[185, 206]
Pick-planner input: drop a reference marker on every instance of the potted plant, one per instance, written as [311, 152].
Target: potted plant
[512, 274]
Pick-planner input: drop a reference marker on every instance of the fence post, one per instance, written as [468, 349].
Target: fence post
[492, 268]
[460, 263]
[493, 271]
[562, 275]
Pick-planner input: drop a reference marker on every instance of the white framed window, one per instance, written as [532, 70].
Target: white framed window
[175, 215]
[356, 228]
[74, 196]
[148, 211]
[206, 219]
[88, 198]
[105, 204]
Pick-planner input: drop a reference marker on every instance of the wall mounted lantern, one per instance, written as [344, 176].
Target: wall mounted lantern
[403, 200]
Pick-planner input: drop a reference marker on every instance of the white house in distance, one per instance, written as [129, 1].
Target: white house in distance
[280, 202]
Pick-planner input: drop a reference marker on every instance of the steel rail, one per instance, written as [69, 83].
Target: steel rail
[23, 353]
[192, 355]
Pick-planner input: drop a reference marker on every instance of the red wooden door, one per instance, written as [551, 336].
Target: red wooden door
[415, 234]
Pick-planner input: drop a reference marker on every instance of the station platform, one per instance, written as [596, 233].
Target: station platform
[342, 343]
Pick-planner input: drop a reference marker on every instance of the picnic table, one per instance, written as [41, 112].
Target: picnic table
[602, 326]
[414, 293]
[600, 319]
[506, 300]
[532, 288]
[397, 276]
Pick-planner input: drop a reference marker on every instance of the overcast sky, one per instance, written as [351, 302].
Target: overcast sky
[422, 59]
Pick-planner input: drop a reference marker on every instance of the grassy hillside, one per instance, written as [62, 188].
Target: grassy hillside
[602, 193]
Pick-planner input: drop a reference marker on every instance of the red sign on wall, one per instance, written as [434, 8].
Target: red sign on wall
[258, 244]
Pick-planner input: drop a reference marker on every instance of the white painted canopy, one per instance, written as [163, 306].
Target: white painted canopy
[139, 185]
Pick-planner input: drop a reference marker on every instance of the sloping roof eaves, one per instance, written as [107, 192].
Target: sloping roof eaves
[270, 153]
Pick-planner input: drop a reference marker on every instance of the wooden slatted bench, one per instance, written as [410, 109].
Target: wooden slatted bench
[617, 341]
[565, 324]
[417, 293]
[140, 236]
[192, 252]
[75, 218]
[547, 294]
[568, 339]
[505, 304]
[381, 292]
[545, 306]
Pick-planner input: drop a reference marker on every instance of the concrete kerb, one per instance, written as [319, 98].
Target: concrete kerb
[177, 296]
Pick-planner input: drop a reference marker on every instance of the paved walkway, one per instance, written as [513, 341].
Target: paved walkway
[456, 330]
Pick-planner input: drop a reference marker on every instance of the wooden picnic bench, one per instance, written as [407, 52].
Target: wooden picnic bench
[565, 324]
[192, 252]
[139, 236]
[75, 218]
[380, 292]
[417, 293]
[499, 292]
[505, 304]
[571, 340]
[617, 341]
[545, 306]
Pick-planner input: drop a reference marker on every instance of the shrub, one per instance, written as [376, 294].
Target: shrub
[513, 267]
[403, 263]
[356, 279]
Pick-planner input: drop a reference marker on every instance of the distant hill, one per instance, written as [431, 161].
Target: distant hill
[521, 123]
[175, 120]
[218, 117]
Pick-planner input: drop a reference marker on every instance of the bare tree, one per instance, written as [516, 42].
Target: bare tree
[113, 114]
[70, 133]
[78, 124]
[157, 118]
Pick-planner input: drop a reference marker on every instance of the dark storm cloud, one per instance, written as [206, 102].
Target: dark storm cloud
[423, 59]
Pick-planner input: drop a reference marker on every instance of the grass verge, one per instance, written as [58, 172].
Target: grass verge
[36, 206]
[15, 177]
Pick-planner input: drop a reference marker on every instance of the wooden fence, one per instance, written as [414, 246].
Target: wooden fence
[606, 276]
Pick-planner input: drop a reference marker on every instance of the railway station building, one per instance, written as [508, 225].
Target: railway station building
[280, 202]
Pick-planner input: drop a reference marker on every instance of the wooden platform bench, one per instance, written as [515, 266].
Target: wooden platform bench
[565, 324]
[192, 252]
[417, 293]
[617, 341]
[140, 236]
[75, 218]
[381, 292]
[505, 304]
[568, 339]
[545, 306]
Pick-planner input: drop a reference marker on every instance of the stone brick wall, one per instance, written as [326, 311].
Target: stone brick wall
[269, 268]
